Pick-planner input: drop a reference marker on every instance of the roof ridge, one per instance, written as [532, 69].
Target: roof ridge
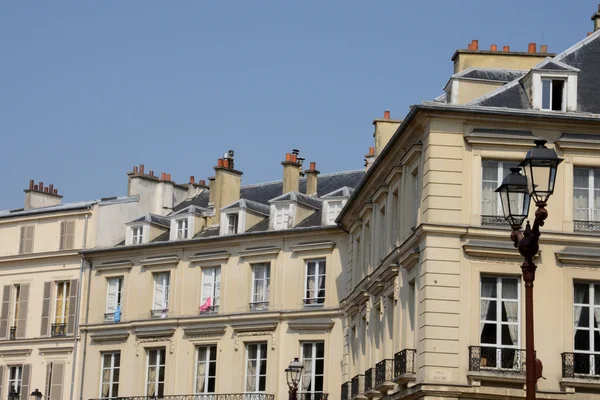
[578, 45]
[321, 175]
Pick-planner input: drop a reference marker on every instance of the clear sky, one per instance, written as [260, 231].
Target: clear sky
[91, 88]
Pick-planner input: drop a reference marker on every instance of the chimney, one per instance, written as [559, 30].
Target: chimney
[194, 189]
[211, 191]
[369, 158]
[506, 49]
[493, 47]
[475, 44]
[37, 196]
[228, 182]
[384, 130]
[596, 19]
[532, 48]
[291, 172]
[544, 48]
[311, 179]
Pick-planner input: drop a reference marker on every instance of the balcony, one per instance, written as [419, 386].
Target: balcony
[160, 313]
[345, 392]
[109, 318]
[312, 396]
[259, 306]
[13, 332]
[384, 375]
[581, 365]
[496, 359]
[586, 226]
[358, 387]
[314, 302]
[493, 220]
[209, 310]
[207, 396]
[369, 379]
[58, 330]
[404, 366]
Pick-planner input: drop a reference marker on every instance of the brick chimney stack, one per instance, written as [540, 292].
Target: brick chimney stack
[369, 158]
[291, 172]
[384, 130]
[227, 184]
[311, 179]
[596, 19]
[37, 196]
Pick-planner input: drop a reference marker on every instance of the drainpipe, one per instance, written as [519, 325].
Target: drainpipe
[76, 330]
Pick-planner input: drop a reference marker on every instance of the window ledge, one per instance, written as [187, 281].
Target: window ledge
[588, 382]
[496, 376]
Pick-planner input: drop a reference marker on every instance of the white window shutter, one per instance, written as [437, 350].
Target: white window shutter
[113, 288]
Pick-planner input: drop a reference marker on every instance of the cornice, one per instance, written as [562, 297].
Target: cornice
[326, 245]
[16, 352]
[494, 250]
[394, 174]
[39, 256]
[44, 351]
[205, 329]
[107, 336]
[380, 193]
[220, 257]
[160, 261]
[312, 324]
[114, 265]
[260, 251]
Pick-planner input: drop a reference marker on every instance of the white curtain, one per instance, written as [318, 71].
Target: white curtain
[113, 287]
[200, 377]
[307, 375]
[251, 376]
[581, 194]
[579, 298]
[105, 383]
[488, 286]
[151, 381]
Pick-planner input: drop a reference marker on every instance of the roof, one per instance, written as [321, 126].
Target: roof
[195, 210]
[249, 205]
[490, 74]
[44, 210]
[152, 219]
[341, 192]
[301, 198]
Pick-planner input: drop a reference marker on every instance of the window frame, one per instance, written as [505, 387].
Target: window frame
[499, 178]
[15, 306]
[233, 223]
[266, 279]
[308, 301]
[18, 378]
[166, 298]
[207, 377]
[258, 359]
[112, 369]
[119, 293]
[137, 234]
[216, 272]
[182, 232]
[499, 299]
[551, 79]
[330, 209]
[159, 363]
[591, 305]
[66, 288]
[592, 208]
[280, 210]
[314, 360]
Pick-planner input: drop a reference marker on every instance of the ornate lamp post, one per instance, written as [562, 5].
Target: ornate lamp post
[13, 395]
[36, 395]
[540, 167]
[294, 373]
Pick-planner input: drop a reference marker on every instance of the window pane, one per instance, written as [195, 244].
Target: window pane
[320, 350]
[488, 310]
[582, 340]
[488, 333]
[582, 293]
[546, 84]
[488, 287]
[509, 335]
[581, 204]
[584, 317]
[510, 311]
[319, 367]
[490, 171]
[510, 289]
[581, 178]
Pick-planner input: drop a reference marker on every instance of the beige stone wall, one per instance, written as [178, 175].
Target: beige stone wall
[523, 62]
[471, 90]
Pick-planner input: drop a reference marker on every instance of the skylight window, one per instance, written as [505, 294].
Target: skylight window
[553, 94]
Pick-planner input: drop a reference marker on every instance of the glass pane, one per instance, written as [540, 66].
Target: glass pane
[488, 310]
[211, 385]
[597, 295]
[546, 84]
[116, 375]
[202, 353]
[488, 334]
[582, 293]
[582, 340]
[596, 341]
[213, 353]
[212, 369]
[262, 383]
[581, 178]
[490, 171]
[488, 287]
[252, 351]
[107, 361]
[320, 350]
[489, 199]
[319, 367]
[510, 311]
[307, 350]
[117, 359]
[161, 374]
[318, 384]
[510, 335]
[581, 204]
[584, 317]
[510, 289]
[115, 391]
[263, 367]
[263, 350]
[152, 357]
[311, 268]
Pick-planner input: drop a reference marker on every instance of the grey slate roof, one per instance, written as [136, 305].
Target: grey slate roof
[491, 74]
[341, 192]
[152, 219]
[312, 220]
[512, 95]
[249, 205]
[43, 210]
[309, 201]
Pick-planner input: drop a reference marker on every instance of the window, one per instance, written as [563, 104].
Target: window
[137, 235]
[67, 235]
[333, 210]
[114, 294]
[500, 322]
[416, 198]
[383, 229]
[211, 289]
[26, 242]
[61, 309]
[155, 372]
[256, 370]
[315, 283]
[492, 175]
[232, 224]
[182, 228]
[313, 359]
[261, 286]
[15, 315]
[553, 94]
[395, 217]
[160, 305]
[586, 193]
[109, 380]
[206, 369]
[586, 327]
[15, 378]
[283, 219]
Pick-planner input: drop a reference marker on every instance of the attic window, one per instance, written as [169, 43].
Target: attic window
[334, 209]
[182, 228]
[553, 94]
[283, 219]
[232, 224]
[137, 234]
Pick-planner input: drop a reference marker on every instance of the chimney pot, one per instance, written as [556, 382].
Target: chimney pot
[313, 166]
[470, 47]
[51, 188]
[141, 168]
[168, 177]
[544, 48]
[226, 163]
[46, 189]
[506, 49]
[192, 179]
[135, 170]
[475, 44]
[35, 187]
[202, 182]
[532, 48]
[41, 185]
[386, 114]
[294, 158]
[151, 173]
[220, 162]
[494, 47]
[55, 191]
[371, 151]
[288, 156]
[31, 183]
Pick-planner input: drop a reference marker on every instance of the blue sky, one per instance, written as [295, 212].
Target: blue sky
[90, 89]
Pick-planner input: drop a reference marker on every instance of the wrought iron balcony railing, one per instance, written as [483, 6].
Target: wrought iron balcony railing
[314, 302]
[586, 226]
[358, 385]
[370, 379]
[203, 396]
[345, 392]
[259, 306]
[58, 330]
[159, 313]
[581, 365]
[384, 372]
[496, 359]
[209, 310]
[13, 332]
[404, 362]
[312, 396]
[493, 220]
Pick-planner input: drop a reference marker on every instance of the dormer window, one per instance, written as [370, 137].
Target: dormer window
[333, 210]
[553, 94]
[182, 228]
[137, 234]
[232, 224]
[283, 219]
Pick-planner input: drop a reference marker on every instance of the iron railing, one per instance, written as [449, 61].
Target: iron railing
[586, 226]
[13, 332]
[498, 359]
[404, 362]
[159, 313]
[314, 301]
[493, 220]
[58, 330]
[384, 371]
[369, 379]
[259, 306]
[581, 365]
[345, 392]
[312, 396]
[210, 310]
[358, 385]
[109, 317]
[204, 396]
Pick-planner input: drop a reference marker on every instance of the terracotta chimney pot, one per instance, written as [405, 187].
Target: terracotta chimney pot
[532, 48]
[475, 45]
[386, 114]
[141, 168]
[494, 47]
[544, 48]
[506, 49]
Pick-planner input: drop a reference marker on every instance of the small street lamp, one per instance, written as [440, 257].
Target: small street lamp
[540, 167]
[294, 373]
[36, 395]
[13, 395]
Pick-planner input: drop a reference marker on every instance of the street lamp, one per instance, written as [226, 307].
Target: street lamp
[13, 395]
[36, 395]
[293, 373]
[540, 167]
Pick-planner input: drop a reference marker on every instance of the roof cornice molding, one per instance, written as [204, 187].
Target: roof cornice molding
[260, 251]
[113, 265]
[326, 245]
[211, 256]
[160, 261]
[381, 192]
[394, 174]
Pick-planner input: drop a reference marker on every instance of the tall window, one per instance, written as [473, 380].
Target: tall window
[161, 294]
[333, 210]
[182, 228]
[313, 359]
[384, 233]
[261, 286]
[15, 378]
[206, 369]
[109, 380]
[315, 282]
[586, 326]
[155, 372]
[61, 313]
[256, 370]
[26, 242]
[586, 193]
[137, 235]
[493, 172]
[500, 322]
[15, 317]
[553, 94]
[211, 289]
[67, 235]
[416, 196]
[113, 296]
[283, 218]
[232, 224]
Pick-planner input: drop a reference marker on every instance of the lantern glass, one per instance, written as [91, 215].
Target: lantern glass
[515, 198]
[294, 372]
[13, 395]
[36, 395]
[540, 167]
